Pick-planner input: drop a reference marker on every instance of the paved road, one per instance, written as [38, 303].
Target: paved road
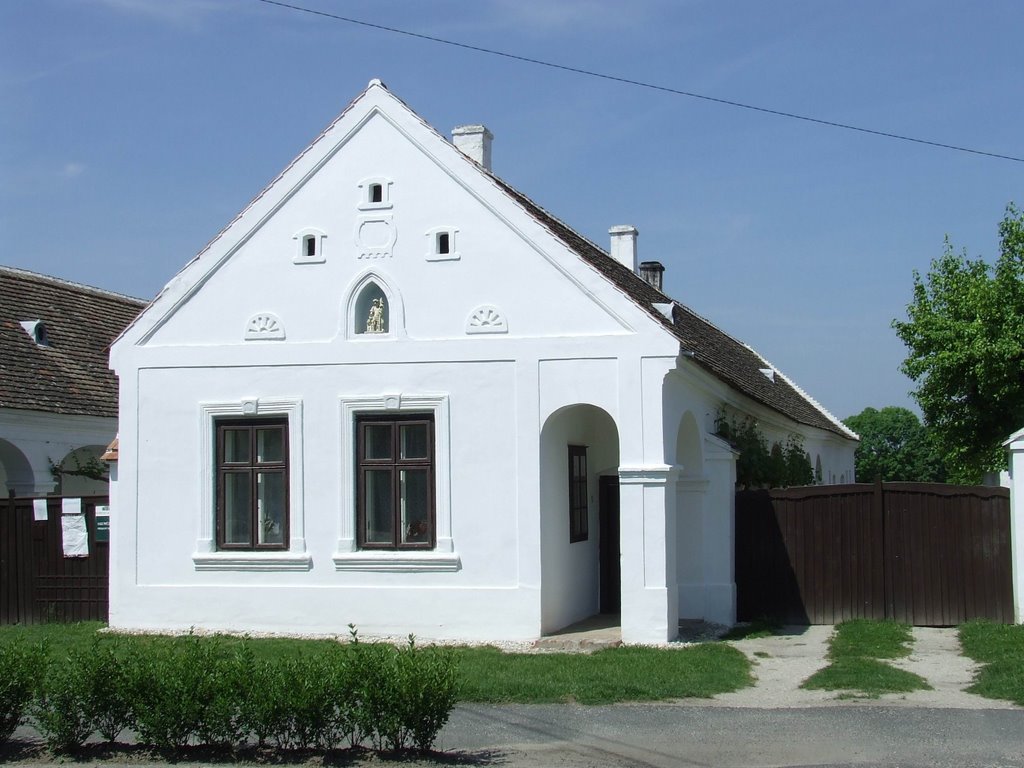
[682, 735]
[690, 736]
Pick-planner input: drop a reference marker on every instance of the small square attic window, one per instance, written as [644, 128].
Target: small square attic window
[442, 244]
[374, 193]
[311, 246]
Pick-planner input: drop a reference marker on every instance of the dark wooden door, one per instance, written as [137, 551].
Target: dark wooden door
[608, 544]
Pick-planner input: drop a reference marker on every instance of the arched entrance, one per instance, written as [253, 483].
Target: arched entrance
[15, 471]
[82, 473]
[579, 448]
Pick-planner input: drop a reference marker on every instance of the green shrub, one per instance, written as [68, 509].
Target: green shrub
[263, 702]
[61, 705]
[376, 692]
[427, 692]
[21, 667]
[404, 695]
[187, 689]
[107, 681]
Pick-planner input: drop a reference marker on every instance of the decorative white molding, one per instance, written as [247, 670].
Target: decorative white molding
[432, 253]
[264, 326]
[252, 561]
[486, 319]
[375, 236]
[365, 203]
[301, 257]
[355, 317]
[348, 556]
[206, 542]
[654, 474]
[397, 562]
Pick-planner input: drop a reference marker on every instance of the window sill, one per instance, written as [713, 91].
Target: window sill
[252, 561]
[399, 562]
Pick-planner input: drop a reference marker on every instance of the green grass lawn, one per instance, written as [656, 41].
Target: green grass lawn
[1000, 648]
[856, 650]
[488, 675]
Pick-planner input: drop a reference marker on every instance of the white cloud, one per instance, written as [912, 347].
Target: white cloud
[71, 170]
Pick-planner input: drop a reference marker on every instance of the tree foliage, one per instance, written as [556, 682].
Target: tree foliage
[965, 350]
[895, 445]
[759, 466]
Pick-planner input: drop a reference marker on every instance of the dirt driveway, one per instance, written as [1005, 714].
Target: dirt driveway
[782, 662]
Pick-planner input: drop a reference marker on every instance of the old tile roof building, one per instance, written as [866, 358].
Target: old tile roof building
[58, 397]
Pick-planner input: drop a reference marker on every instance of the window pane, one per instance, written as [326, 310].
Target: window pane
[270, 508]
[377, 441]
[413, 440]
[269, 445]
[236, 446]
[379, 514]
[415, 501]
[237, 508]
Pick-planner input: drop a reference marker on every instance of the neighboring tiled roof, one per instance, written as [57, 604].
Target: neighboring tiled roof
[726, 358]
[69, 374]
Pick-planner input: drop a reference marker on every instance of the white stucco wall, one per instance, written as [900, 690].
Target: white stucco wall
[516, 345]
[31, 440]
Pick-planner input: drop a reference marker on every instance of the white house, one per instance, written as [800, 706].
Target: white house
[58, 398]
[396, 392]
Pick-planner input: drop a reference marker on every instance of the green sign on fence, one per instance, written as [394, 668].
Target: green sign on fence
[102, 524]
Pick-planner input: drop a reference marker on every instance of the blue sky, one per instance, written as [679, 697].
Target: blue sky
[132, 131]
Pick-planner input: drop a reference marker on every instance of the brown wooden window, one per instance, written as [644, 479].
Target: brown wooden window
[578, 512]
[395, 481]
[252, 484]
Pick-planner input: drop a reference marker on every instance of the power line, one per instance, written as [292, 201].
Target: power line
[639, 83]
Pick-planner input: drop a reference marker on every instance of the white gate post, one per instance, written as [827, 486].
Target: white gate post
[1015, 445]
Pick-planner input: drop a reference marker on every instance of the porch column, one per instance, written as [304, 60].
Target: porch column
[650, 601]
[1015, 445]
[720, 533]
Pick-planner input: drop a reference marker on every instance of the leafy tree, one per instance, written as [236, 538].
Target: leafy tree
[895, 445]
[965, 339]
[758, 466]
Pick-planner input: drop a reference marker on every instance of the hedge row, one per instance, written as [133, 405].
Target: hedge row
[207, 691]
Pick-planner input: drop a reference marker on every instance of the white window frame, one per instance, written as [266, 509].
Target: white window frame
[365, 204]
[206, 556]
[432, 240]
[443, 557]
[300, 254]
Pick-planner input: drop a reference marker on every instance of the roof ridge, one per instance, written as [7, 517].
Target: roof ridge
[53, 279]
[825, 411]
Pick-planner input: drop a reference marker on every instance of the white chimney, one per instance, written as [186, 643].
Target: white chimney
[624, 245]
[474, 141]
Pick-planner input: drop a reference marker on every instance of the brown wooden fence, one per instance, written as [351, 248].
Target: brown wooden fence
[38, 584]
[924, 554]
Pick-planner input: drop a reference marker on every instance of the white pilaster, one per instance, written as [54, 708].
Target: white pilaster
[650, 601]
[1015, 445]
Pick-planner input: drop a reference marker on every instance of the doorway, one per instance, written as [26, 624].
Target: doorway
[610, 589]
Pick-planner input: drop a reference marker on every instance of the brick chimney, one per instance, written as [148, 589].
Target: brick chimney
[652, 273]
[474, 141]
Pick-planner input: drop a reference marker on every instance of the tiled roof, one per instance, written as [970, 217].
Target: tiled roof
[68, 374]
[725, 357]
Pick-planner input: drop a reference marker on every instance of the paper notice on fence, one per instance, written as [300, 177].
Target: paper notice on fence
[76, 535]
[39, 510]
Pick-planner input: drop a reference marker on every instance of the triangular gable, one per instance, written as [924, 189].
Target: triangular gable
[375, 101]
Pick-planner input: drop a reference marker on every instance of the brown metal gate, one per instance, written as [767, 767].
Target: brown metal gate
[921, 553]
[37, 583]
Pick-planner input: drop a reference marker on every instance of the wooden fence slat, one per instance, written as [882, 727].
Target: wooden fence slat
[925, 554]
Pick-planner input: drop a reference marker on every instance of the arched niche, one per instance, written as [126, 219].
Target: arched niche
[373, 309]
[688, 446]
